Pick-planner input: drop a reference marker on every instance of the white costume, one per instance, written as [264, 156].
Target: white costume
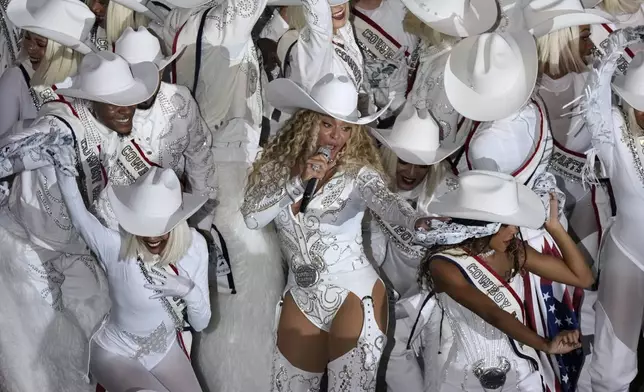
[229, 95]
[16, 101]
[618, 318]
[9, 37]
[327, 262]
[140, 331]
[398, 260]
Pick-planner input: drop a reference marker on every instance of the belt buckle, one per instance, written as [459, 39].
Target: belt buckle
[492, 377]
[306, 276]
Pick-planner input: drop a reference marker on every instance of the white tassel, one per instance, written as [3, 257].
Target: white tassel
[588, 173]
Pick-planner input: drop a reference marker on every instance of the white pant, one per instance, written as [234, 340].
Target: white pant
[618, 321]
[404, 373]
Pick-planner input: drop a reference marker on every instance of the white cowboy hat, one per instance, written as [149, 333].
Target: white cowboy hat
[491, 197]
[138, 46]
[416, 140]
[107, 77]
[590, 3]
[154, 204]
[546, 16]
[68, 22]
[146, 7]
[335, 96]
[630, 87]
[459, 18]
[491, 76]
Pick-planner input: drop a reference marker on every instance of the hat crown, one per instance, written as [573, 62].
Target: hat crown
[104, 73]
[493, 65]
[69, 17]
[137, 46]
[336, 94]
[414, 133]
[155, 194]
[492, 192]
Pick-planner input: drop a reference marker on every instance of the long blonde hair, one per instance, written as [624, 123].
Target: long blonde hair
[119, 17]
[559, 52]
[621, 7]
[179, 242]
[431, 182]
[297, 142]
[58, 63]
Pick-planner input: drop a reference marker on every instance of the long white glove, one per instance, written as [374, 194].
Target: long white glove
[169, 285]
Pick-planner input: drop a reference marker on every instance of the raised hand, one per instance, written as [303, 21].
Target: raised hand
[169, 285]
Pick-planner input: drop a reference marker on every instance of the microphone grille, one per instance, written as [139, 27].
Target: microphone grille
[326, 151]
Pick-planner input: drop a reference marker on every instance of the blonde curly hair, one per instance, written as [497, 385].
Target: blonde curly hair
[297, 142]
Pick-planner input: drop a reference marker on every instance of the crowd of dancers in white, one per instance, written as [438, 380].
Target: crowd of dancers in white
[321, 195]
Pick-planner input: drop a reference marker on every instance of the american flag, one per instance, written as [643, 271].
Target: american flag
[551, 310]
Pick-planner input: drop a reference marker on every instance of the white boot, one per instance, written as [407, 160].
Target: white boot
[288, 378]
[356, 370]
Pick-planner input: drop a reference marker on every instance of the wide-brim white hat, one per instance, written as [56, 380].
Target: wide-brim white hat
[143, 80]
[81, 19]
[508, 96]
[491, 197]
[289, 97]
[630, 86]
[138, 46]
[546, 16]
[416, 140]
[455, 18]
[136, 222]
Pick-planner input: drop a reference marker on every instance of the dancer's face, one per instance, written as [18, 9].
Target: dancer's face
[333, 133]
[409, 176]
[116, 118]
[35, 46]
[339, 15]
[99, 8]
[639, 118]
[502, 239]
[154, 245]
[585, 43]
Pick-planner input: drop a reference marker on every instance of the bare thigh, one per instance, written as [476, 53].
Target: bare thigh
[303, 344]
[348, 322]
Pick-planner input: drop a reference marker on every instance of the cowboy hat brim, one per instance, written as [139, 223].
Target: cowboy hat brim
[146, 81]
[164, 62]
[480, 20]
[150, 226]
[482, 107]
[287, 96]
[418, 157]
[561, 20]
[531, 212]
[636, 101]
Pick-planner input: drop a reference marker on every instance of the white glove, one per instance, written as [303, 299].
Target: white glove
[169, 285]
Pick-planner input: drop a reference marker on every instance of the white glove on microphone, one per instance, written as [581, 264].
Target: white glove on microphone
[169, 285]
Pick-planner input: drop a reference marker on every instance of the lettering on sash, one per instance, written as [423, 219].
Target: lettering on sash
[131, 161]
[488, 286]
[350, 64]
[567, 163]
[401, 238]
[372, 39]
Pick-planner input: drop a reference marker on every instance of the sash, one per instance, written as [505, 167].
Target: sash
[350, 63]
[567, 163]
[42, 94]
[402, 239]
[184, 337]
[599, 37]
[372, 39]
[132, 161]
[481, 276]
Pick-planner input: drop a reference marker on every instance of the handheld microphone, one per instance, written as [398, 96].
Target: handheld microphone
[313, 182]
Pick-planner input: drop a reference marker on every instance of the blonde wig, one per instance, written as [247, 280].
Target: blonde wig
[621, 7]
[297, 142]
[119, 17]
[415, 26]
[559, 52]
[177, 246]
[58, 63]
[431, 182]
